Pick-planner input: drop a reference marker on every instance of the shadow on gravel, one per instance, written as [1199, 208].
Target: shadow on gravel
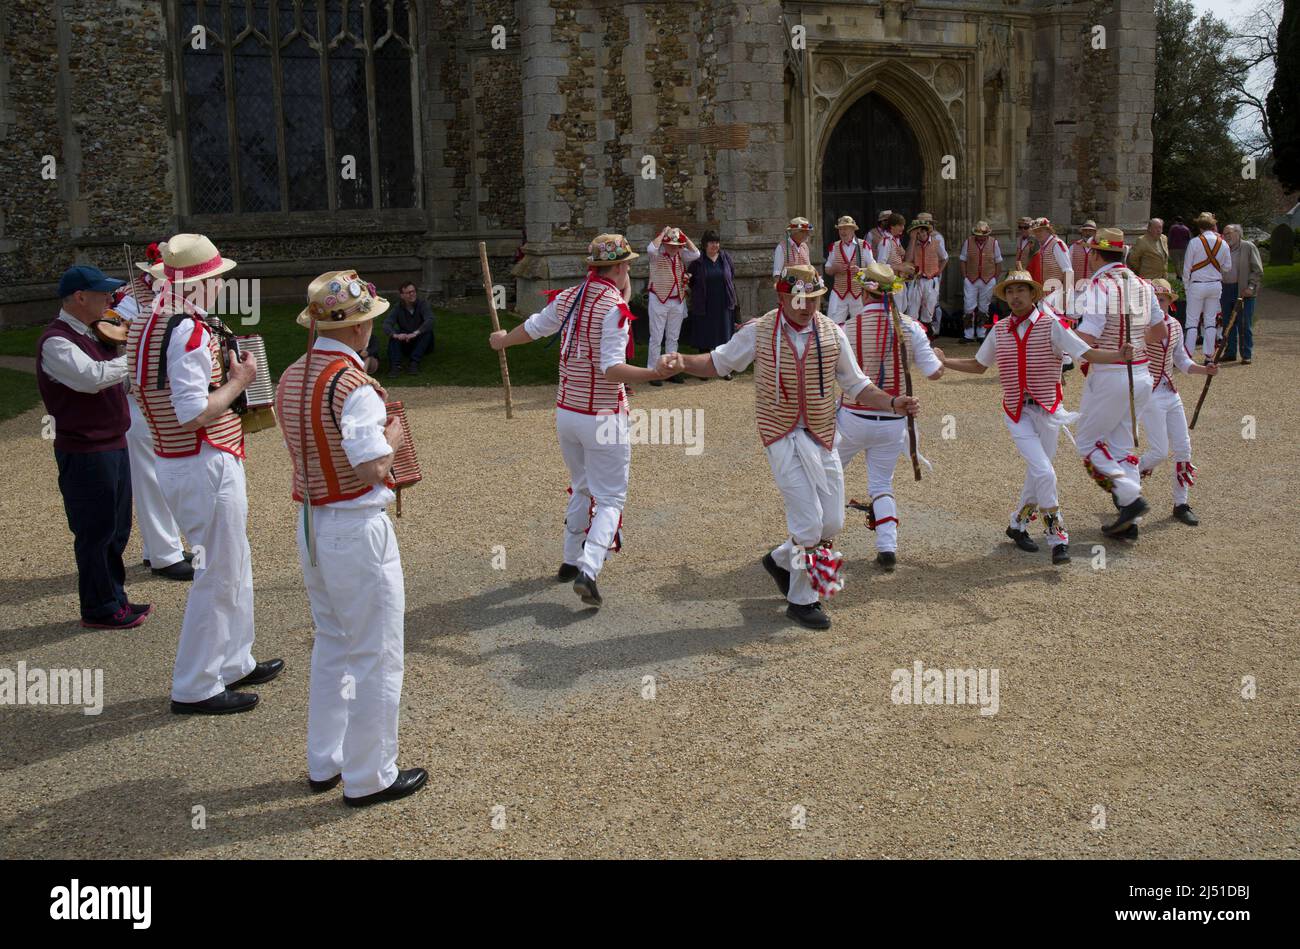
[154, 817]
[70, 730]
[15, 590]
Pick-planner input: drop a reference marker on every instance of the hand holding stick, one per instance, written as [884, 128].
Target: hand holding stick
[907, 383]
[496, 324]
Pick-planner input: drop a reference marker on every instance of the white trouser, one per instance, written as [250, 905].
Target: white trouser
[160, 538]
[598, 455]
[1203, 297]
[1165, 424]
[358, 603]
[665, 324]
[206, 494]
[924, 300]
[840, 309]
[1104, 435]
[976, 296]
[880, 443]
[814, 503]
[1035, 437]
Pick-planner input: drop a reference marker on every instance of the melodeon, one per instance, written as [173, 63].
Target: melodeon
[406, 467]
[260, 393]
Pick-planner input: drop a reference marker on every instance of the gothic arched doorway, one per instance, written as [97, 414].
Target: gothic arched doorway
[872, 163]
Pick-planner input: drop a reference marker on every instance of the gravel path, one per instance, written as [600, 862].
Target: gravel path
[1119, 688]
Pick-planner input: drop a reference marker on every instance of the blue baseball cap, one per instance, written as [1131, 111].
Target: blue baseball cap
[84, 277]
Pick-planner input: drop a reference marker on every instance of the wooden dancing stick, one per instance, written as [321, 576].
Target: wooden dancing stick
[907, 383]
[1132, 409]
[1218, 355]
[496, 324]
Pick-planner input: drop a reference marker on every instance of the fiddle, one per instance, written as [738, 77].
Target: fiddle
[110, 329]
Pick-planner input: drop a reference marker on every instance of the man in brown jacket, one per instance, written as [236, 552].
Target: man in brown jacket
[1149, 258]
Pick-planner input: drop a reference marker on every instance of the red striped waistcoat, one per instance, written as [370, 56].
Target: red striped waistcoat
[980, 266]
[330, 377]
[666, 276]
[1123, 288]
[871, 334]
[1162, 357]
[583, 387]
[144, 349]
[844, 285]
[924, 256]
[1081, 260]
[804, 394]
[1028, 364]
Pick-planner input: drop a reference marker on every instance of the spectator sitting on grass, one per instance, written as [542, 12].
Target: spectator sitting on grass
[409, 328]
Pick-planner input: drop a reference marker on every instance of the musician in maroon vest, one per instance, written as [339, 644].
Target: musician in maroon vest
[80, 375]
[1027, 348]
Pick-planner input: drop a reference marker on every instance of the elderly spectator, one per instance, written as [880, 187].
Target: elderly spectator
[1180, 235]
[714, 311]
[1149, 258]
[409, 328]
[1241, 279]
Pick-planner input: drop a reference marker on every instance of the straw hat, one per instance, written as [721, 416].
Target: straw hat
[799, 224]
[918, 225]
[152, 257]
[609, 249]
[800, 279]
[673, 237]
[927, 217]
[1088, 224]
[1162, 287]
[883, 216]
[1107, 238]
[1206, 217]
[1018, 276]
[189, 258]
[341, 298]
[1040, 222]
[846, 221]
[981, 229]
[878, 278]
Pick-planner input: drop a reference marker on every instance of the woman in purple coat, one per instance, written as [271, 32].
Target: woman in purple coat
[713, 307]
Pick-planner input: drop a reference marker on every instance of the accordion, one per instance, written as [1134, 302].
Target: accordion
[406, 467]
[260, 393]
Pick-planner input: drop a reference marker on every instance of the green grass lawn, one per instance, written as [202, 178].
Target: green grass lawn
[461, 355]
[18, 393]
[1285, 278]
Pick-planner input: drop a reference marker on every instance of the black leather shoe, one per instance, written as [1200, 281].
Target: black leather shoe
[679, 379]
[1061, 554]
[1130, 534]
[656, 382]
[188, 555]
[223, 703]
[810, 615]
[180, 570]
[320, 787]
[887, 559]
[1183, 512]
[1021, 539]
[262, 672]
[1129, 515]
[585, 587]
[408, 782]
[779, 574]
[567, 573]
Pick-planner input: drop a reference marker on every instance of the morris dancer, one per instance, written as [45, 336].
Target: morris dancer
[845, 258]
[880, 436]
[342, 445]
[1207, 257]
[671, 252]
[1164, 419]
[794, 248]
[980, 256]
[927, 253]
[799, 355]
[593, 321]
[877, 233]
[1026, 348]
[179, 374]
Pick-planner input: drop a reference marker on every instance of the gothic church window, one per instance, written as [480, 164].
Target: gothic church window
[298, 105]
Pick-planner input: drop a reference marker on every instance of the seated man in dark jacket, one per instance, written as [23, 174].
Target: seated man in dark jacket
[409, 328]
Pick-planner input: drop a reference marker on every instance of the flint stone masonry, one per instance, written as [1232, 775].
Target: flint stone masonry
[548, 135]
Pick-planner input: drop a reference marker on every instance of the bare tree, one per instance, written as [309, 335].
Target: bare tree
[1254, 44]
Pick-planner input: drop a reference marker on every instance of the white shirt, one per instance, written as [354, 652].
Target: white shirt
[844, 252]
[362, 424]
[613, 338]
[1063, 340]
[919, 351]
[997, 250]
[737, 353]
[778, 255]
[1093, 304]
[64, 362]
[881, 250]
[189, 371]
[686, 254]
[1196, 253]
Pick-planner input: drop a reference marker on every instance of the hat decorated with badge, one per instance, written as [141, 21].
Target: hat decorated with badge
[341, 298]
[673, 237]
[846, 221]
[981, 229]
[1018, 276]
[918, 225]
[878, 278]
[801, 280]
[1039, 223]
[189, 258]
[799, 224]
[609, 249]
[1107, 238]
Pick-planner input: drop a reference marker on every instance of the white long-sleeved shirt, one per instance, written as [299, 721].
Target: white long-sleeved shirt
[362, 424]
[1196, 252]
[843, 252]
[613, 337]
[68, 365]
[1065, 341]
[737, 353]
[1094, 301]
